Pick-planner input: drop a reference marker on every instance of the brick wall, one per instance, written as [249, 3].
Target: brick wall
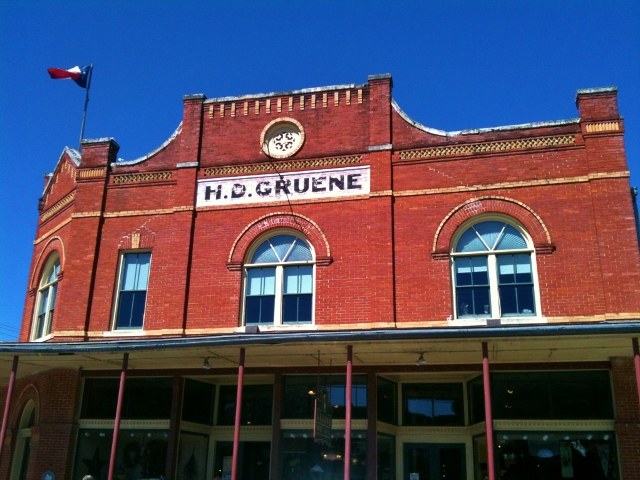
[56, 394]
[627, 407]
[566, 182]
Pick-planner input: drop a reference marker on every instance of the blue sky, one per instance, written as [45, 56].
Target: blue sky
[455, 65]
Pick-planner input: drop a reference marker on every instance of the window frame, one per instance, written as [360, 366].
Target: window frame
[279, 281]
[117, 291]
[51, 290]
[492, 270]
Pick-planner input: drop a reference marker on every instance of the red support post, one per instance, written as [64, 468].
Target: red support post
[488, 417]
[347, 422]
[116, 425]
[7, 404]
[636, 360]
[236, 431]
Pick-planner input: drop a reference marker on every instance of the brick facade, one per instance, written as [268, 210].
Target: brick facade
[382, 257]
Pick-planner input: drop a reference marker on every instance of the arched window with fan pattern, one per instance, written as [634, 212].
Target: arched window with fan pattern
[279, 283]
[494, 271]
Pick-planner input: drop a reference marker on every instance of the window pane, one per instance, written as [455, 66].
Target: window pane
[523, 268]
[259, 309]
[508, 300]
[296, 308]
[282, 244]
[506, 270]
[473, 301]
[53, 273]
[264, 254]
[470, 242]
[511, 239]
[131, 309]
[480, 271]
[300, 252]
[144, 261]
[298, 279]
[387, 401]
[198, 401]
[432, 404]
[261, 281]
[257, 403]
[135, 272]
[552, 395]
[489, 231]
[54, 292]
[44, 299]
[303, 459]
[526, 304]
[463, 271]
[300, 404]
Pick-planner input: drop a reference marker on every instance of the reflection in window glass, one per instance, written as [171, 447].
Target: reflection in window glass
[192, 456]
[141, 454]
[556, 455]
[386, 457]
[253, 460]
[300, 403]
[257, 404]
[387, 401]
[303, 459]
[197, 403]
[432, 404]
[144, 398]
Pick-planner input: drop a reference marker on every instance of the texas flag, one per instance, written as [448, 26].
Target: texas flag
[77, 74]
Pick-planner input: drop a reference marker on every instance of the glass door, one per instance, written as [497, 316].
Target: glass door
[428, 461]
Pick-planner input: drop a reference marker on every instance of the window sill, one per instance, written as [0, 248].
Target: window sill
[124, 333]
[482, 322]
[43, 339]
[279, 328]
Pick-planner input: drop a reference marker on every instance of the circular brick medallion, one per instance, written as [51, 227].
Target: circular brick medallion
[282, 138]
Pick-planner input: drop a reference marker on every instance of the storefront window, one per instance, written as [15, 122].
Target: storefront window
[303, 459]
[545, 395]
[144, 398]
[426, 404]
[257, 404]
[198, 401]
[299, 391]
[141, 454]
[254, 459]
[551, 456]
[387, 395]
[386, 457]
[192, 456]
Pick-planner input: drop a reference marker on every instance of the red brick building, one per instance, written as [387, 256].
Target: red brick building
[274, 236]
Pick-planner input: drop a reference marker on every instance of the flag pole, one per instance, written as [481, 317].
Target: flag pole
[86, 102]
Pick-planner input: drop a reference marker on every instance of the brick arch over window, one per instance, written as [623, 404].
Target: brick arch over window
[271, 221]
[529, 219]
[28, 393]
[54, 245]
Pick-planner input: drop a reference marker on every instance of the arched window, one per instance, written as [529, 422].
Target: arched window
[494, 274]
[46, 299]
[279, 282]
[23, 442]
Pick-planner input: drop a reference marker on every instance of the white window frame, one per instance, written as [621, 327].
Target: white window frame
[492, 267]
[116, 295]
[24, 433]
[279, 282]
[49, 289]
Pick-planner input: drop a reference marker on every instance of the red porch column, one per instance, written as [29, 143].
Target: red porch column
[7, 403]
[636, 360]
[116, 426]
[236, 431]
[347, 416]
[487, 411]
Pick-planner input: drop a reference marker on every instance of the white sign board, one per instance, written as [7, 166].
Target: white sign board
[328, 183]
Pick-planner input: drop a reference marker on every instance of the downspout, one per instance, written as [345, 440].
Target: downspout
[634, 200]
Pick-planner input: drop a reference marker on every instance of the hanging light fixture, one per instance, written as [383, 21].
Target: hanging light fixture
[206, 364]
[421, 361]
